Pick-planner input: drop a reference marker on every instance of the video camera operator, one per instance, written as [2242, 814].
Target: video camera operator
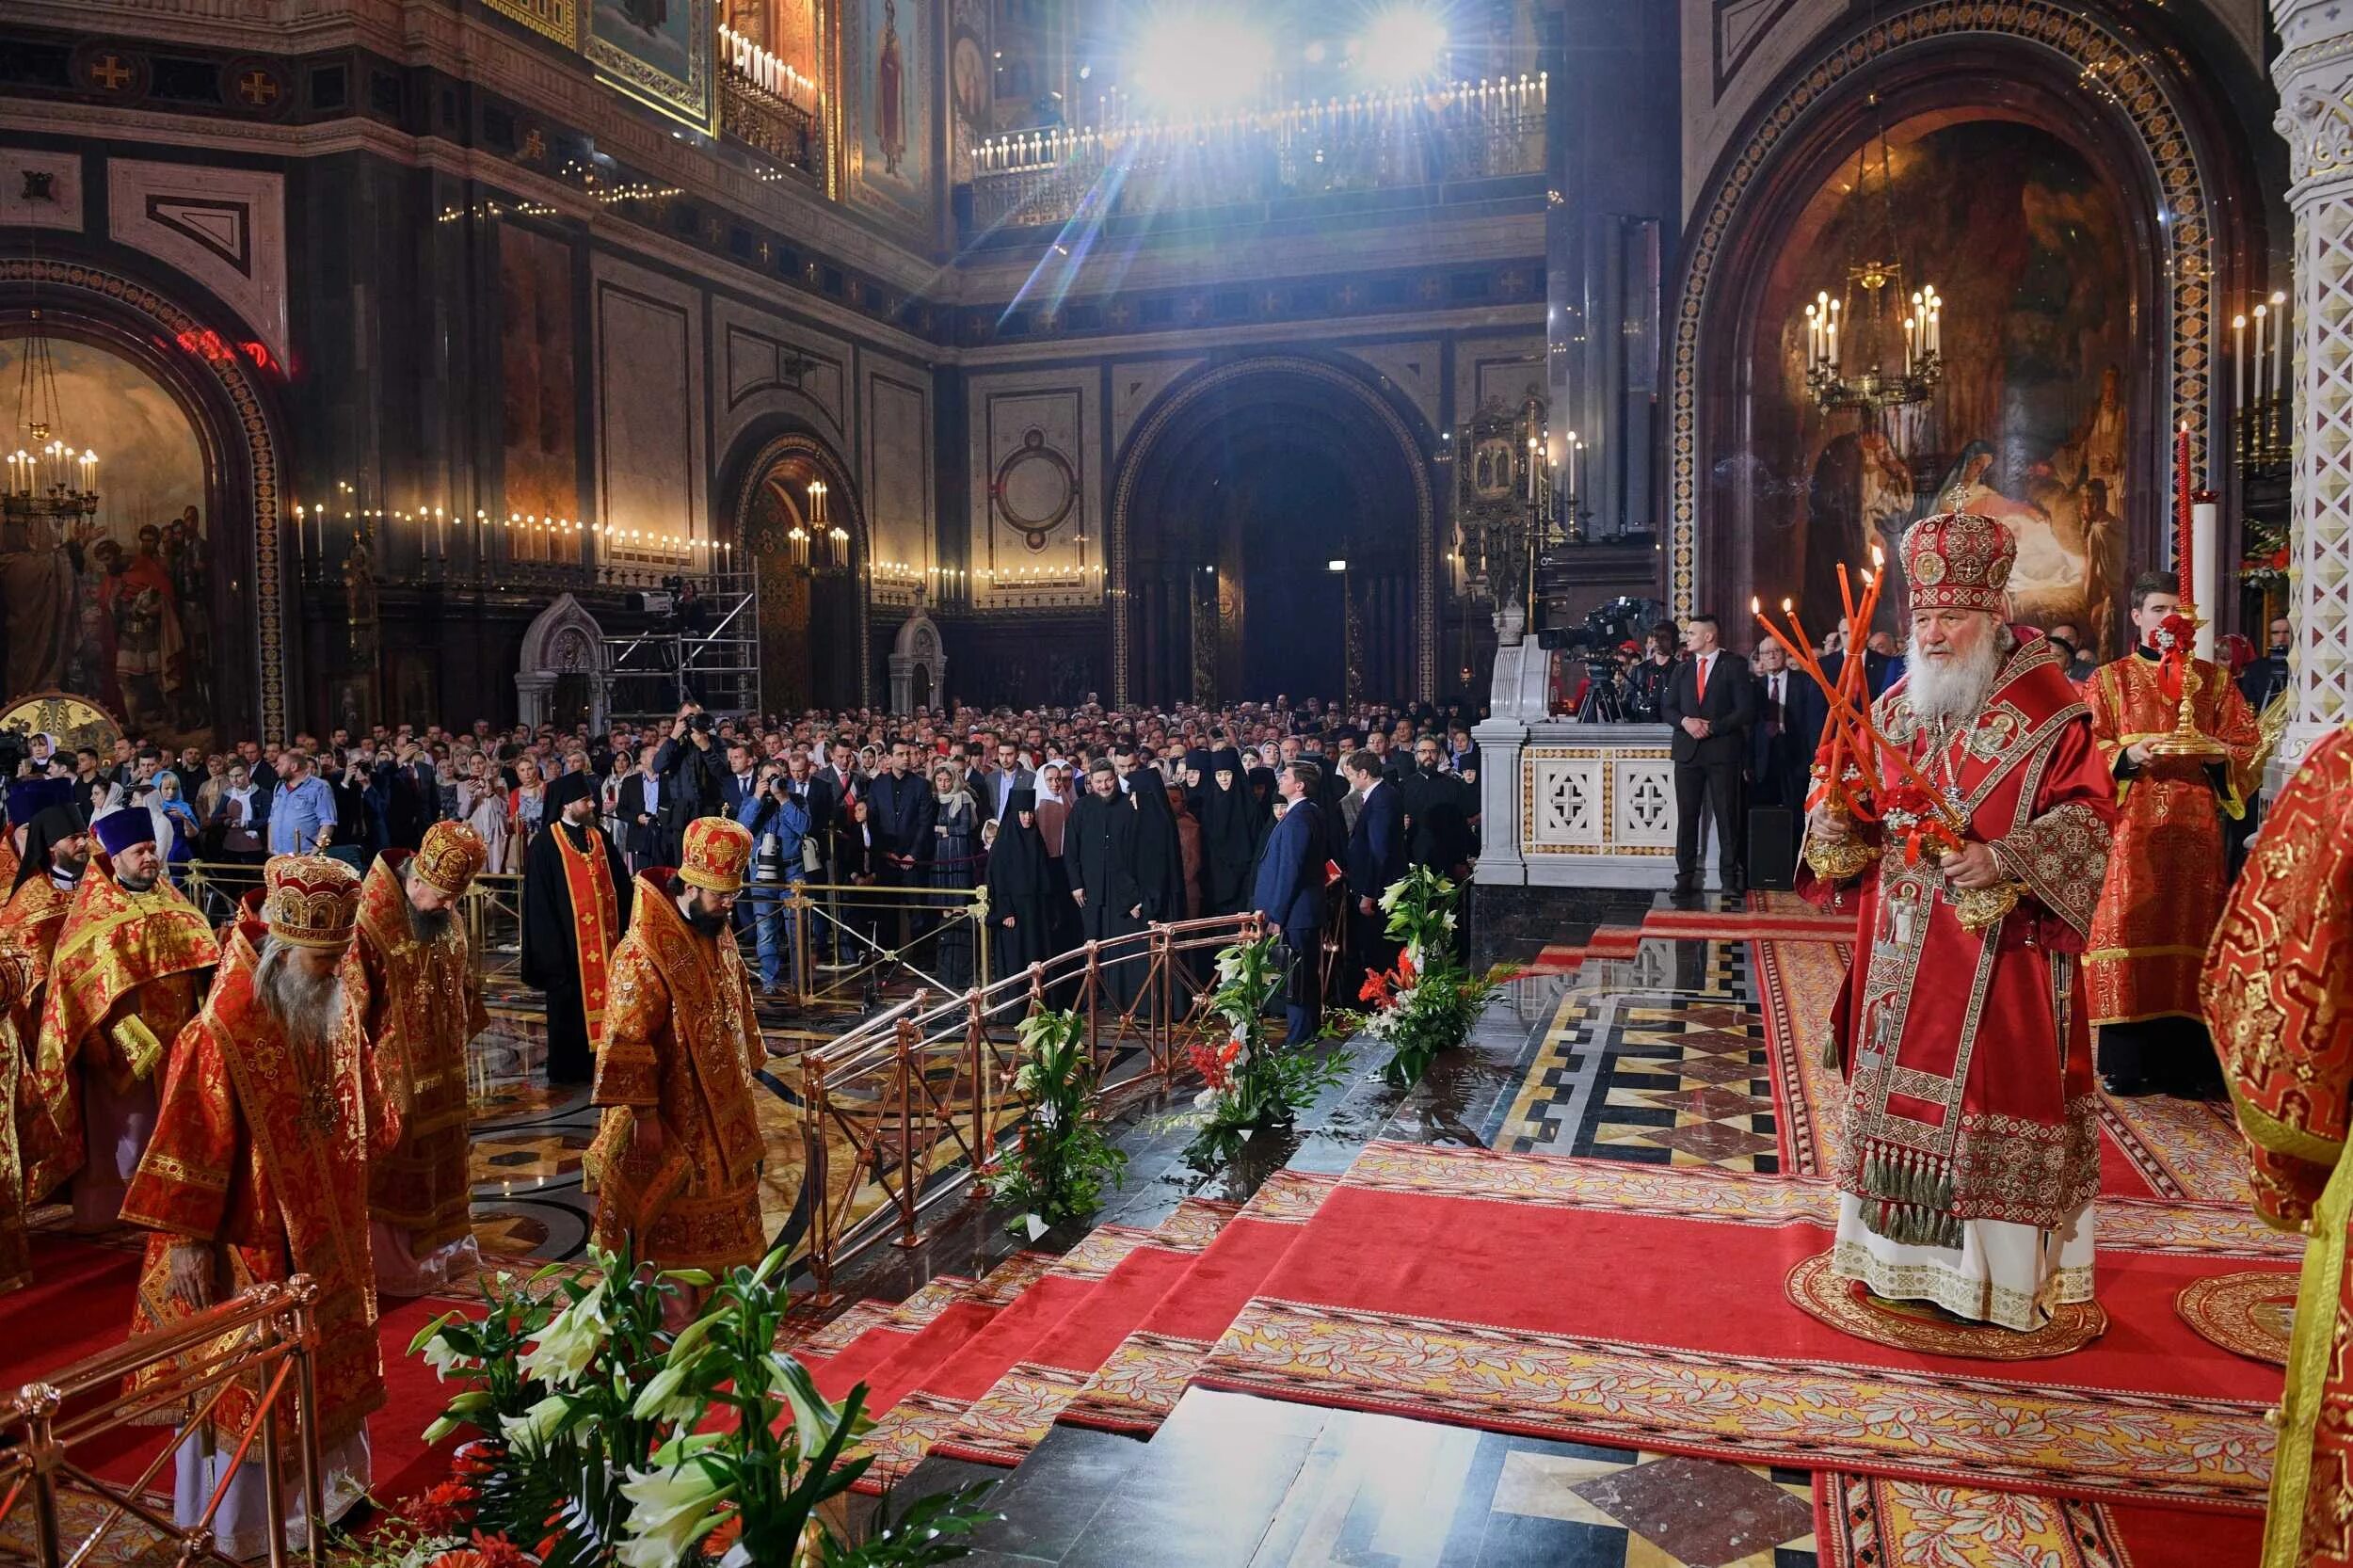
[1647, 687]
[693, 772]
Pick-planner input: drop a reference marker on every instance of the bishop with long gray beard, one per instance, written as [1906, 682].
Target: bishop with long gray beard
[1972, 1153]
[256, 1173]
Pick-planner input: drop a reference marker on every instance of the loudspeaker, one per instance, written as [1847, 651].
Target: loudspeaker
[1772, 847]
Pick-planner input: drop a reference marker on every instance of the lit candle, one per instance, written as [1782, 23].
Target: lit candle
[2184, 542]
[2262, 322]
[2238, 361]
[2279, 346]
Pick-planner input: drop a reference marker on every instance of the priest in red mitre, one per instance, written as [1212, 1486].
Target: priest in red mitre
[2274, 988]
[2169, 875]
[258, 1172]
[576, 896]
[129, 970]
[410, 978]
[677, 1151]
[1972, 1151]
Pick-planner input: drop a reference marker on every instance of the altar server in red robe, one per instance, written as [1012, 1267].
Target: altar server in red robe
[2275, 988]
[1972, 1148]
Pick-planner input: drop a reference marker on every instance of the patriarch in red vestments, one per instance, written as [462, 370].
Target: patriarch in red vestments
[257, 1172]
[2275, 988]
[128, 973]
[412, 982]
[1972, 1148]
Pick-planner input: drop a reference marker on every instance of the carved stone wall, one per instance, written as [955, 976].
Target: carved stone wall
[2314, 74]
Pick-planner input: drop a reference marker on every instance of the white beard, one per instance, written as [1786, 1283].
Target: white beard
[308, 1009]
[1951, 690]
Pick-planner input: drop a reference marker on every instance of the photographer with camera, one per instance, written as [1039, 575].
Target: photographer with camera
[776, 811]
[693, 772]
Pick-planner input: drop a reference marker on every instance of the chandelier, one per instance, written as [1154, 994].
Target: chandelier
[49, 478]
[1875, 345]
[821, 529]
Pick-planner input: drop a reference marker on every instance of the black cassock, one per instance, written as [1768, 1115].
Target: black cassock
[551, 958]
[1099, 849]
[1229, 843]
[1021, 888]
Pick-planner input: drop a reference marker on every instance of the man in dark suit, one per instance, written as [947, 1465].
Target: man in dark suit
[1791, 713]
[693, 770]
[1882, 668]
[639, 810]
[998, 783]
[1711, 701]
[1376, 858]
[1289, 894]
[412, 800]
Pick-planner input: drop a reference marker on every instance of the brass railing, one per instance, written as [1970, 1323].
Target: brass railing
[492, 908]
[927, 1077]
[264, 1337]
[760, 119]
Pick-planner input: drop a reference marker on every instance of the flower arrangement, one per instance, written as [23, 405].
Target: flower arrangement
[1917, 822]
[1062, 1159]
[608, 1441]
[1426, 1003]
[1251, 1084]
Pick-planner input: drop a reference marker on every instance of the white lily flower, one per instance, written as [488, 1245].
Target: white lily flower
[670, 1508]
[444, 1358]
[567, 1346]
[528, 1433]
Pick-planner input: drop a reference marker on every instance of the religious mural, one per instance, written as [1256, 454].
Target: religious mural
[658, 51]
[539, 399]
[2013, 226]
[893, 65]
[119, 608]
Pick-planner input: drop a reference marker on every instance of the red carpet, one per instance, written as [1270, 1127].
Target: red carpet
[1644, 1307]
[1875, 1522]
[80, 1303]
[1734, 925]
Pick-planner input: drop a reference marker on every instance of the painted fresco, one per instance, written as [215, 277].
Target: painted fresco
[658, 51]
[539, 394]
[894, 45]
[119, 609]
[2013, 226]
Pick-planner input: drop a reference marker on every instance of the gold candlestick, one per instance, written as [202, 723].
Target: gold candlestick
[2187, 741]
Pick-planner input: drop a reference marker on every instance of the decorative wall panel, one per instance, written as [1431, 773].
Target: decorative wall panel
[1413, 368]
[661, 53]
[226, 228]
[898, 479]
[1134, 385]
[648, 350]
[538, 359]
[57, 179]
[769, 366]
[1511, 369]
[1597, 800]
[1035, 487]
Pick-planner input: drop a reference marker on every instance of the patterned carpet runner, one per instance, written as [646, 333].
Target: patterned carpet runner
[1646, 1306]
[1878, 1522]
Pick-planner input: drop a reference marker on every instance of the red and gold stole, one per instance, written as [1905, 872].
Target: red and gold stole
[595, 919]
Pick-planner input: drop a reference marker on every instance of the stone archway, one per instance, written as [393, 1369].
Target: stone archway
[1253, 410]
[564, 675]
[815, 619]
[918, 663]
[208, 364]
[2139, 100]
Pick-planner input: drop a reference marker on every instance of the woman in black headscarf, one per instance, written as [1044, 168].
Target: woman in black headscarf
[1160, 858]
[1022, 889]
[1229, 838]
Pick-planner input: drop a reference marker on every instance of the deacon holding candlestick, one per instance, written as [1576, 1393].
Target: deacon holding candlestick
[2175, 781]
[1972, 1150]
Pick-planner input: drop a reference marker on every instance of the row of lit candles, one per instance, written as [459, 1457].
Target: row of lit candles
[2271, 339]
[1019, 148]
[764, 70]
[1923, 328]
[55, 467]
[635, 539]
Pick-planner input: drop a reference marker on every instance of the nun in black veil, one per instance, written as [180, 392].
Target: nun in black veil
[1022, 890]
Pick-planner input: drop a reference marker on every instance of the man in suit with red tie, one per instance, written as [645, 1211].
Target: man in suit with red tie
[1791, 715]
[1711, 701]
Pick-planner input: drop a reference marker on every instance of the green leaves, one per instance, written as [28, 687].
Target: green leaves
[1062, 1159]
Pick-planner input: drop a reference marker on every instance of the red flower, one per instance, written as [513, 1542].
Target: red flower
[1375, 989]
[496, 1551]
[1212, 1064]
[444, 1510]
[1405, 967]
[2280, 559]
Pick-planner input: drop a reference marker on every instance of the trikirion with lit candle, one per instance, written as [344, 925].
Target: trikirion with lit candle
[1972, 842]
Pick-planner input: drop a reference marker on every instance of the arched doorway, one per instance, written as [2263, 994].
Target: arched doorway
[1272, 526]
[172, 381]
[799, 517]
[563, 676]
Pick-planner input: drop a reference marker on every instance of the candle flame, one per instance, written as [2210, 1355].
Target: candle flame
[1879, 556]
[1785, 606]
[1756, 605]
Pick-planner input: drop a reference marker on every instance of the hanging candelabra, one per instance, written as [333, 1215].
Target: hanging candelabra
[49, 480]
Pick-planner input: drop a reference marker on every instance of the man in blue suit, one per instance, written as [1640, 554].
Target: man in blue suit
[1289, 895]
[1376, 858]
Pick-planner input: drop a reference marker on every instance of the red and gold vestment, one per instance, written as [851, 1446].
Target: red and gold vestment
[260, 1151]
[2275, 988]
[679, 1044]
[2167, 874]
[418, 1007]
[1968, 1057]
[124, 979]
[34, 915]
[16, 1263]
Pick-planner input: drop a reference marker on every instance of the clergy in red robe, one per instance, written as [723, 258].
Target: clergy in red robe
[575, 907]
[2168, 874]
[56, 850]
[130, 970]
[257, 1172]
[418, 1005]
[678, 1153]
[1972, 1149]
[2274, 989]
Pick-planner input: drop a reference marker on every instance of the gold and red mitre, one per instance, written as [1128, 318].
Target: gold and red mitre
[450, 858]
[1959, 561]
[715, 853]
[310, 900]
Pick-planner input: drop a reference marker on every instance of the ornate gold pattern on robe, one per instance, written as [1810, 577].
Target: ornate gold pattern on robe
[2277, 989]
[679, 1044]
[123, 981]
[259, 1152]
[16, 1263]
[418, 1007]
[29, 924]
[2167, 876]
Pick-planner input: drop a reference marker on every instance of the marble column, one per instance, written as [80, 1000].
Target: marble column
[2314, 75]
